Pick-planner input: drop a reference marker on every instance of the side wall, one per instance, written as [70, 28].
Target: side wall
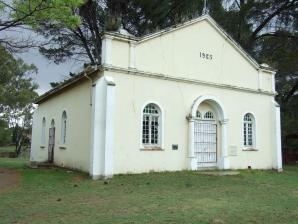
[76, 152]
[175, 99]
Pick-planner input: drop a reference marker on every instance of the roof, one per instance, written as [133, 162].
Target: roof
[66, 83]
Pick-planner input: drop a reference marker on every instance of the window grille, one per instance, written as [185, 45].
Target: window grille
[151, 125]
[248, 130]
[209, 115]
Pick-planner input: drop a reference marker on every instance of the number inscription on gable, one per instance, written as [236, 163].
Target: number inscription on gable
[206, 56]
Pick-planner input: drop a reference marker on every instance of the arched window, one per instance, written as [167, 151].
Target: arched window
[52, 123]
[249, 130]
[43, 131]
[209, 115]
[63, 127]
[151, 130]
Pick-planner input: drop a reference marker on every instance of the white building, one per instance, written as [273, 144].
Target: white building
[188, 97]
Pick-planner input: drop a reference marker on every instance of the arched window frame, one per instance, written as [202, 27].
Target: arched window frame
[63, 127]
[247, 143]
[43, 131]
[198, 115]
[160, 144]
[53, 123]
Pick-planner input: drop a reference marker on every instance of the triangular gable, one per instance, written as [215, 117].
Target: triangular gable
[212, 22]
[215, 25]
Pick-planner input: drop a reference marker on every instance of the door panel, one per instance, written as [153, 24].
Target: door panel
[51, 144]
[205, 143]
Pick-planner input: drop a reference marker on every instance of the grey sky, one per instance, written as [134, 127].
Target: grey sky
[47, 70]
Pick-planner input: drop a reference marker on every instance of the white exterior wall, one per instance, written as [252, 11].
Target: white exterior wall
[166, 69]
[176, 99]
[177, 54]
[76, 152]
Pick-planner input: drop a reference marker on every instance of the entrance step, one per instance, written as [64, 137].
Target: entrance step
[220, 173]
[35, 165]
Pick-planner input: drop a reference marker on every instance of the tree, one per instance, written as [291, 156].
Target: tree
[267, 29]
[5, 133]
[17, 93]
[82, 42]
[139, 17]
[19, 14]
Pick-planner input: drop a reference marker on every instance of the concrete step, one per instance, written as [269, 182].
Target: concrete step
[35, 165]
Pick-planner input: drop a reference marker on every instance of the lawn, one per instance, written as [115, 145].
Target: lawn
[60, 196]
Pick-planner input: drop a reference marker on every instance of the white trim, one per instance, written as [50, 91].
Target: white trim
[224, 163]
[222, 117]
[277, 137]
[182, 79]
[96, 111]
[255, 128]
[132, 55]
[260, 80]
[162, 146]
[106, 50]
[102, 128]
[109, 138]
[191, 156]
[273, 83]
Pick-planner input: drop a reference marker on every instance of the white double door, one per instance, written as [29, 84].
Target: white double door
[205, 143]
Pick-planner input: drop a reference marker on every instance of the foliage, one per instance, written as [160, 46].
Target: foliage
[81, 42]
[267, 29]
[17, 93]
[169, 197]
[5, 133]
[32, 13]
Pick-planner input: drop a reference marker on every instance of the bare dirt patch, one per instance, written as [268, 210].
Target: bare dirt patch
[8, 178]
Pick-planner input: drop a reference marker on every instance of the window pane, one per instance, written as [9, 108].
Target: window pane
[154, 130]
[150, 129]
[145, 137]
[209, 115]
[248, 130]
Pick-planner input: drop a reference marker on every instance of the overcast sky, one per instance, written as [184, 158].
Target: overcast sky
[47, 70]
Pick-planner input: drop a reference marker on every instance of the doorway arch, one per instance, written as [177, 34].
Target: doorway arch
[222, 161]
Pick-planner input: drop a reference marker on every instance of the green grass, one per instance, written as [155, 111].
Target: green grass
[58, 196]
[7, 148]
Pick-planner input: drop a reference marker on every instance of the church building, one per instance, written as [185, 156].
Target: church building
[184, 98]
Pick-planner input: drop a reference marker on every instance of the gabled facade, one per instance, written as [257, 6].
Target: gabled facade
[188, 97]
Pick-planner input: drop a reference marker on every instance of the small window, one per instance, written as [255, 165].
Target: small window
[249, 130]
[151, 127]
[209, 115]
[63, 128]
[43, 131]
